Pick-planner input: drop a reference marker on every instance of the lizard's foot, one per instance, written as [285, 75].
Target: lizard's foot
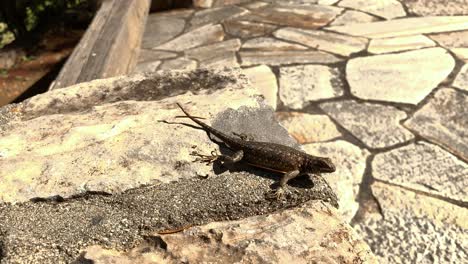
[208, 159]
[278, 194]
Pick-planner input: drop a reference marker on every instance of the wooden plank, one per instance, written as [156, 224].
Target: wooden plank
[110, 45]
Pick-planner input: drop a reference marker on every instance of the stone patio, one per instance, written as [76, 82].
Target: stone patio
[380, 86]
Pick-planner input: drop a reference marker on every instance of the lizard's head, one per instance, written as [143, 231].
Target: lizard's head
[319, 164]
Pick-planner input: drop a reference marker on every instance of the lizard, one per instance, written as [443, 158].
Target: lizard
[266, 155]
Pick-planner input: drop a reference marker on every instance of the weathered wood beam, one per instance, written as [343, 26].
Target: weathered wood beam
[110, 45]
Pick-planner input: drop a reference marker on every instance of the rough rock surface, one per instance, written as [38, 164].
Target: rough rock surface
[322, 238]
[301, 84]
[425, 167]
[280, 57]
[271, 44]
[405, 77]
[346, 179]
[246, 29]
[443, 120]
[377, 126]
[437, 7]
[106, 163]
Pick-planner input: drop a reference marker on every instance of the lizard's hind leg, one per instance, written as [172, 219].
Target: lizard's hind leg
[208, 159]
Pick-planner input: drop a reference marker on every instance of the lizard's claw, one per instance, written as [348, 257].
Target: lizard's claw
[208, 159]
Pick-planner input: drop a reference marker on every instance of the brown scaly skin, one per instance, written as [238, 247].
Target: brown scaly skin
[266, 155]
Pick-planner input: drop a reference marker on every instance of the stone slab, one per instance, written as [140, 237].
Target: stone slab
[264, 80]
[443, 120]
[154, 55]
[308, 128]
[457, 39]
[388, 45]
[306, 16]
[160, 29]
[387, 9]
[424, 167]
[353, 17]
[437, 7]
[405, 26]
[377, 126]
[201, 36]
[322, 40]
[345, 181]
[280, 57]
[149, 66]
[406, 77]
[247, 29]
[207, 52]
[265, 43]
[215, 15]
[299, 85]
[180, 63]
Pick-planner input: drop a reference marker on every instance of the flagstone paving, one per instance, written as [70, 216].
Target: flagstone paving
[379, 86]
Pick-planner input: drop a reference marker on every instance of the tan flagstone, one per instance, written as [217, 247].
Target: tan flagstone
[405, 77]
[204, 53]
[461, 53]
[322, 40]
[404, 26]
[437, 7]
[247, 29]
[307, 128]
[215, 15]
[200, 36]
[307, 16]
[264, 43]
[284, 57]
[179, 64]
[384, 8]
[353, 17]
[264, 80]
[387, 45]
[304, 83]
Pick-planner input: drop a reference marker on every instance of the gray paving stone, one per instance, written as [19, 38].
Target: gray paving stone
[405, 26]
[306, 16]
[179, 64]
[387, 9]
[280, 57]
[153, 55]
[215, 15]
[200, 36]
[402, 238]
[353, 17]
[405, 77]
[424, 167]
[264, 43]
[247, 29]
[345, 181]
[322, 40]
[437, 7]
[304, 83]
[377, 126]
[387, 45]
[461, 81]
[444, 120]
[307, 128]
[160, 29]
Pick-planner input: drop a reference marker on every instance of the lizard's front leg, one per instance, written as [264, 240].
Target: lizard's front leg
[279, 193]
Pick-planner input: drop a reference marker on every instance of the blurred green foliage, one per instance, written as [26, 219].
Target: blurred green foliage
[26, 19]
